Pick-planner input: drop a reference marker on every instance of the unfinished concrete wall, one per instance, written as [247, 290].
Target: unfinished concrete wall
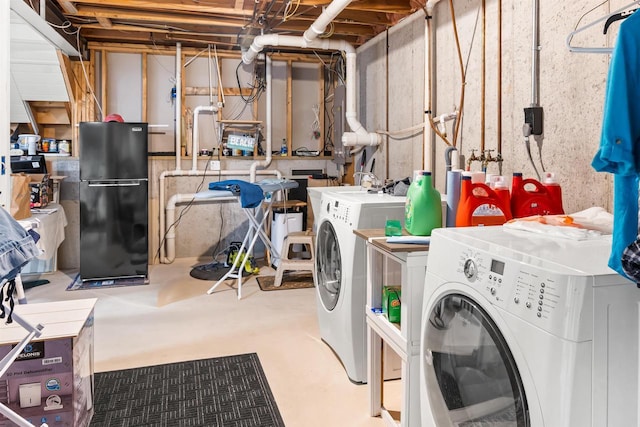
[571, 90]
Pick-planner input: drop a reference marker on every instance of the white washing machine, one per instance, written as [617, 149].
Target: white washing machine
[523, 330]
[341, 270]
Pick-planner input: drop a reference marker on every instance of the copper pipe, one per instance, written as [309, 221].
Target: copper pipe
[462, 74]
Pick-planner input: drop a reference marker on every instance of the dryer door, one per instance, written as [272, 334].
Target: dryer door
[328, 265]
[470, 374]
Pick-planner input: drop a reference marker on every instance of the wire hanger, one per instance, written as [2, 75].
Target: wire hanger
[579, 49]
[617, 17]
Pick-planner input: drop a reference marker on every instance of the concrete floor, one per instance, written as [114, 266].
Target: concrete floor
[173, 319]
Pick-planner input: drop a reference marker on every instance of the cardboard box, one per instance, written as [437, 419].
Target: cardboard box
[51, 379]
[391, 303]
[41, 190]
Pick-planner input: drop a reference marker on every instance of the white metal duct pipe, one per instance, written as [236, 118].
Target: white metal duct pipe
[196, 132]
[359, 136]
[328, 14]
[267, 161]
[163, 220]
[178, 113]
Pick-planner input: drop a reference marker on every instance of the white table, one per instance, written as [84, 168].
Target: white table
[384, 261]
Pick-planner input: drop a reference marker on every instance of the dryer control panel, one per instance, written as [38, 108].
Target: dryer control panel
[341, 212]
[554, 302]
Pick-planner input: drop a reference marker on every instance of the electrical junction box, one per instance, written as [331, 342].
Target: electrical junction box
[214, 165]
[51, 380]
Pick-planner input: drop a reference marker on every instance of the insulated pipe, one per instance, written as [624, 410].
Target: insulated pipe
[358, 136]
[267, 161]
[535, 55]
[196, 133]
[164, 174]
[328, 14]
[178, 104]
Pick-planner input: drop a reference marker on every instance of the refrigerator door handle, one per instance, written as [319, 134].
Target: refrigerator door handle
[132, 183]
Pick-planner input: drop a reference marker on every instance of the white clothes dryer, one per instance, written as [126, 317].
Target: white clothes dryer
[341, 270]
[519, 329]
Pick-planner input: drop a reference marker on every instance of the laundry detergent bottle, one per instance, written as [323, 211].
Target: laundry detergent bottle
[554, 189]
[423, 208]
[529, 197]
[501, 188]
[479, 205]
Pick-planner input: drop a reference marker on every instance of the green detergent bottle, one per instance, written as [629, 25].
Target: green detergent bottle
[423, 208]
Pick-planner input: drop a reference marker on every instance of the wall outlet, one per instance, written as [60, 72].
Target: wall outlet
[214, 165]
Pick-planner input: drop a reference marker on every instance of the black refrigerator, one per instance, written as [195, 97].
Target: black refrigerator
[113, 201]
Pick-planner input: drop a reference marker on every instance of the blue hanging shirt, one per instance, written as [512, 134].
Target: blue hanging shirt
[619, 151]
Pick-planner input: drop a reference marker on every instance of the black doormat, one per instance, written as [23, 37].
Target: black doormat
[229, 391]
[210, 271]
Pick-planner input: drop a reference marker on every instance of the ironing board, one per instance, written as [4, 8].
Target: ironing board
[269, 188]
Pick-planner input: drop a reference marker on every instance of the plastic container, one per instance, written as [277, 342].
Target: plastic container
[554, 189]
[501, 188]
[423, 208]
[529, 197]
[479, 205]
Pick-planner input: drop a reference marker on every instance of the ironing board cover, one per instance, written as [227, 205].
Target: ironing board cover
[250, 194]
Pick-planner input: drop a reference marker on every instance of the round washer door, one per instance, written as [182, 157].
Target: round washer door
[471, 376]
[328, 265]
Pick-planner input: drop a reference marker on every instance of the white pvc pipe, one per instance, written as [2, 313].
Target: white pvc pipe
[431, 4]
[163, 229]
[328, 14]
[359, 136]
[170, 233]
[196, 132]
[267, 160]
[178, 104]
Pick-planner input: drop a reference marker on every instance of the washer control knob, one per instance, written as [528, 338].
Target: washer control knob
[493, 291]
[470, 269]
[528, 304]
[516, 300]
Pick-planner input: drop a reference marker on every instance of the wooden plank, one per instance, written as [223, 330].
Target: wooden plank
[67, 74]
[289, 106]
[173, 17]
[104, 22]
[176, 6]
[68, 7]
[103, 85]
[145, 86]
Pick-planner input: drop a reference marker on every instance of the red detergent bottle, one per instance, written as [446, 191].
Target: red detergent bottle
[529, 197]
[554, 189]
[501, 188]
[479, 205]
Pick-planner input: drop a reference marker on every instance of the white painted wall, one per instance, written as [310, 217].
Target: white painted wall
[571, 91]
